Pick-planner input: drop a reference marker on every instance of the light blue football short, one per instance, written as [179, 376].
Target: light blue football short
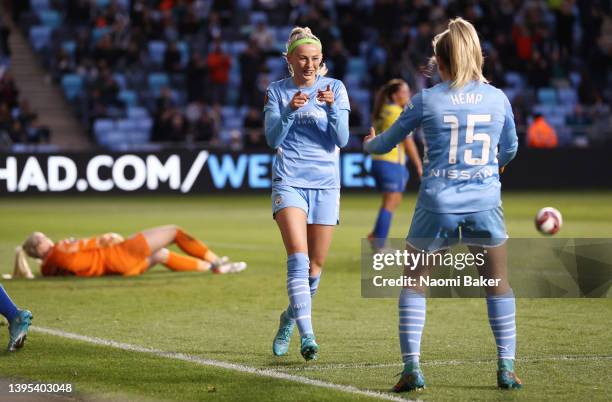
[432, 231]
[322, 206]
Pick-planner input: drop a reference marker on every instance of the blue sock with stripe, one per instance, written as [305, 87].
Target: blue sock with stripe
[7, 307]
[313, 281]
[502, 311]
[411, 322]
[298, 289]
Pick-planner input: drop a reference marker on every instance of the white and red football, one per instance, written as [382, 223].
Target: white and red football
[548, 221]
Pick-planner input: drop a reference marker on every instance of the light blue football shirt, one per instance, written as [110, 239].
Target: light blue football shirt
[468, 133]
[307, 140]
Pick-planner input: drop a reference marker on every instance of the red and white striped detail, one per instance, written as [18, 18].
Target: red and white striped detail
[548, 221]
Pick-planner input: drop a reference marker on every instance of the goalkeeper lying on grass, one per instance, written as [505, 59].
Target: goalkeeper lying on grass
[110, 254]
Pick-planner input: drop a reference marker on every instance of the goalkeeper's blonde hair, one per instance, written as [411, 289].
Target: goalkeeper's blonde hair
[458, 49]
[27, 249]
[298, 33]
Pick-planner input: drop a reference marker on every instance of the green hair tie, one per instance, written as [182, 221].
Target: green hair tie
[303, 41]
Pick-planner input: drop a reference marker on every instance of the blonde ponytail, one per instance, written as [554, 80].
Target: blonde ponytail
[22, 268]
[458, 49]
[296, 34]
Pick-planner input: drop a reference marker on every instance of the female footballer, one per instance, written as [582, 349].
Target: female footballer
[470, 134]
[389, 170]
[306, 121]
[110, 254]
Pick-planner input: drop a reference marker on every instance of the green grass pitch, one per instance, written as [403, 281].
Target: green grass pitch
[564, 345]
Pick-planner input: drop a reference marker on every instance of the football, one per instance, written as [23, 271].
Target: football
[548, 221]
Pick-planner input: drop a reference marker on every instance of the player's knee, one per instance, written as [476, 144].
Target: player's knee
[160, 256]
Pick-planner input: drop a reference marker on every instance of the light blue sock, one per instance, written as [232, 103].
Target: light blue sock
[7, 307]
[502, 311]
[411, 323]
[298, 290]
[314, 285]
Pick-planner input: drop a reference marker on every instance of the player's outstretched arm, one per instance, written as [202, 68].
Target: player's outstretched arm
[409, 120]
[277, 122]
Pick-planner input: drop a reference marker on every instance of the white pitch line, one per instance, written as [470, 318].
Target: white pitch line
[438, 363]
[219, 364]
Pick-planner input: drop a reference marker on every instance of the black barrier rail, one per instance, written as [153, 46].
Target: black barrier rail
[203, 171]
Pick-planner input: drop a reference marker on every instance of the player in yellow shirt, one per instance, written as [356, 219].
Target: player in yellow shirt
[389, 170]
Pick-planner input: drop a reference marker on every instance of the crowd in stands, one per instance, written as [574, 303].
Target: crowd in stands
[19, 124]
[191, 71]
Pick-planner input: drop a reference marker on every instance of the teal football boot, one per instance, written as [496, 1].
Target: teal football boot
[309, 347]
[411, 379]
[18, 329]
[280, 346]
[506, 378]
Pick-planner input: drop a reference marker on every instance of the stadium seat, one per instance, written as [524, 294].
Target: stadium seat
[72, 85]
[138, 137]
[102, 3]
[183, 47]
[40, 36]
[157, 81]
[352, 81]
[144, 124]
[120, 79]
[39, 5]
[568, 96]
[257, 17]
[282, 33]
[127, 125]
[135, 112]
[237, 48]
[157, 48]
[233, 122]
[514, 80]
[356, 65]
[69, 47]
[50, 18]
[547, 96]
[98, 33]
[128, 97]
[102, 126]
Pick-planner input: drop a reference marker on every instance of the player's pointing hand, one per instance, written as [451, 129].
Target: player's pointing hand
[298, 100]
[326, 96]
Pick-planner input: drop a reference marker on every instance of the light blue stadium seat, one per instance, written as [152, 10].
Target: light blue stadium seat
[102, 126]
[40, 36]
[514, 80]
[69, 47]
[127, 125]
[72, 85]
[39, 5]
[102, 3]
[50, 18]
[357, 65]
[547, 96]
[568, 96]
[157, 48]
[257, 17]
[140, 137]
[237, 48]
[120, 79]
[98, 33]
[233, 122]
[145, 124]
[135, 112]
[183, 47]
[128, 97]
[157, 81]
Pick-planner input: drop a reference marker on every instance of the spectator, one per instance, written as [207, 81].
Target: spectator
[172, 59]
[218, 68]
[250, 66]
[197, 71]
[540, 134]
[263, 38]
[339, 59]
[253, 126]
